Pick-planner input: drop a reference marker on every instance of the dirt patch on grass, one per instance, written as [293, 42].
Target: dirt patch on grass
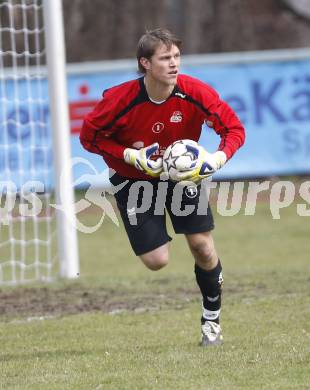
[51, 301]
[45, 301]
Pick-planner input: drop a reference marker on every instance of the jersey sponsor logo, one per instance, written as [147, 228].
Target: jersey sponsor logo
[158, 127]
[176, 117]
[181, 95]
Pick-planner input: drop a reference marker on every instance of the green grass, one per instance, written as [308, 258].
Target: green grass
[121, 326]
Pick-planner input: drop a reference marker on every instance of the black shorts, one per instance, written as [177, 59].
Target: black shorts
[143, 205]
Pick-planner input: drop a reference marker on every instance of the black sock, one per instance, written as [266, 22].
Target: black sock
[210, 284]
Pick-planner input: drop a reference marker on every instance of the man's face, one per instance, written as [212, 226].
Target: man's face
[164, 65]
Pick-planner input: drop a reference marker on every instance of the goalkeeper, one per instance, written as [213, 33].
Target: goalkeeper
[132, 126]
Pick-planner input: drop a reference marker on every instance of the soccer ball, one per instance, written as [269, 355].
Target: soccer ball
[178, 159]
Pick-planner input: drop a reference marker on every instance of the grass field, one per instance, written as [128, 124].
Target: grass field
[121, 326]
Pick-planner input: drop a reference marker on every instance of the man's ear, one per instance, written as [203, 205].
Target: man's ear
[145, 63]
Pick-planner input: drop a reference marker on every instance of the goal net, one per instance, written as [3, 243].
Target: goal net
[30, 249]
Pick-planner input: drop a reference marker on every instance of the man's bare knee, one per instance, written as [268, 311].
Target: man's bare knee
[156, 259]
[203, 250]
[155, 263]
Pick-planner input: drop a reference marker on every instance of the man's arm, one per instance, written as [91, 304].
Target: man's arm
[224, 121]
[97, 137]
[227, 125]
[98, 128]
[99, 141]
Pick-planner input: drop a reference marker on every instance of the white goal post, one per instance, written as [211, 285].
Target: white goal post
[37, 240]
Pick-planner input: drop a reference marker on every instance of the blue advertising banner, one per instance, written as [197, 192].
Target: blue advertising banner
[273, 102]
[272, 99]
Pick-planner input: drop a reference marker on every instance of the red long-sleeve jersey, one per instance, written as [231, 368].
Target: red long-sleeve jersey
[127, 118]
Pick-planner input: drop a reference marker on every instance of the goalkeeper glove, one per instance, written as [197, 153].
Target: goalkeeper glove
[141, 159]
[206, 164]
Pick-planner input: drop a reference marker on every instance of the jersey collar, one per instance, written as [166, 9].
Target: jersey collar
[146, 96]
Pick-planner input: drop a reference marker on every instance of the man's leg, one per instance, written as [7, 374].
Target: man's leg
[209, 278]
[196, 226]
